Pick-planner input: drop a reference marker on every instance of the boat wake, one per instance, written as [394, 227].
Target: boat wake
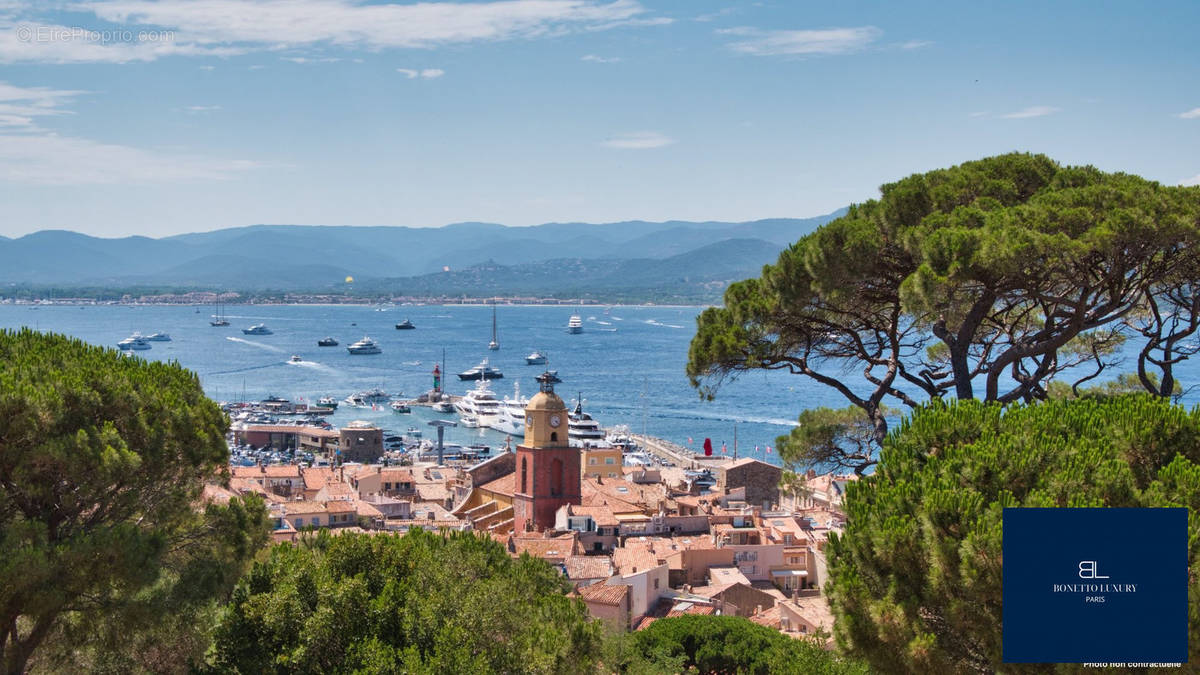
[270, 348]
[312, 364]
[412, 363]
[243, 370]
[655, 322]
[604, 323]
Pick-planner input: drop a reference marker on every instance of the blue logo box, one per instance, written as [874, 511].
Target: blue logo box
[1095, 585]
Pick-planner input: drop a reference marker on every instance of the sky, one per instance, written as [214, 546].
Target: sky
[136, 117]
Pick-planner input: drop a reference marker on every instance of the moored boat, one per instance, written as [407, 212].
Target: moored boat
[364, 346]
[327, 342]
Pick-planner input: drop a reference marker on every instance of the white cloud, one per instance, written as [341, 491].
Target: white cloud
[1191, 182]
[426, 73]
[793, 42]
[307, 59]
[914, 44]
[1032, 111]
[639, 140]
[50, 43]
[1192, 114]
[265, 24]
[593, 58]
[31, 154]
[202, 108]
[209, 68]
[50, 159]
[21, 106]
[981, 113]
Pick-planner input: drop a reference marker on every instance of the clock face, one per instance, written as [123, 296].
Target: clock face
[555, 420]
[528, 421]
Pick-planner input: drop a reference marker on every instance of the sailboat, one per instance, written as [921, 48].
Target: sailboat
[218, 319]
[493, 345]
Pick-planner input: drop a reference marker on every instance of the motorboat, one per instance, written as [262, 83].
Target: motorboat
[550, 376]
[296, 358]
[511, 419]
[483, 371]
[401, 407]
[257, 329]
[364, 346]
[405, 325]
[413, 432]
[134, 342]
[366, 399]
[575, 324]
[327, 342]
[535, 359]
[480, 404]
[328, 402]
[158, 337]
[443, 407]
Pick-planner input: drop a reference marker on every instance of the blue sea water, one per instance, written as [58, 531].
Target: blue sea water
[628, 364]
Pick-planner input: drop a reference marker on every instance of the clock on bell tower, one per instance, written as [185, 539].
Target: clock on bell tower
[548, 469]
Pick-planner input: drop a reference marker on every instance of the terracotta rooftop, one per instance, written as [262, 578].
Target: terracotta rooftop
[602, 515]
[315, 477]
[588, 566]
[603, 594]
[504, 485]
[547, 548]
[272, 471]
[302, 508]
[634, 559]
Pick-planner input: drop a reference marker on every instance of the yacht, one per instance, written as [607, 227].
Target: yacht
[511, 419]
[364, 346]
[368, 398]
[327, 402]
[479, 405]
[327, 342]
[296, 358]
[582, 429]
[218, 319]
[413, 432]
[535, 359]
[257, 329]
[494, 344]
[443, 407]
[401, 407]
[158, 337]
[481, 372]
[575, 324]
[405, 325]
[134, 342]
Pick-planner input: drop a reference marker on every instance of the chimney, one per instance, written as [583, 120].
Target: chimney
[757, 610]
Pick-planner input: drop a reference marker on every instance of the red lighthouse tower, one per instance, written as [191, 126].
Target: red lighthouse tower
[548, 471]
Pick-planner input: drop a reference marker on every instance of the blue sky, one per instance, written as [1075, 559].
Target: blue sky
[178, 116]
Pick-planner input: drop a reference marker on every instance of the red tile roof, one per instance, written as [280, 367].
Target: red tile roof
[603, 594]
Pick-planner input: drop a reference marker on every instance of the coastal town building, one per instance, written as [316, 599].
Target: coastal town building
[636, 543]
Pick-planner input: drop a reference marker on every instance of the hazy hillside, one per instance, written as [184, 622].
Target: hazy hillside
[481, 256]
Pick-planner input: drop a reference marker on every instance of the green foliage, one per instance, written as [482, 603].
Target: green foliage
[102, 461]
[916, 579]
[830, 439]
[415, 603]
[722, 644]
[985, 280]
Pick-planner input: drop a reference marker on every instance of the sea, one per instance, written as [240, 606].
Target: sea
[627, 366]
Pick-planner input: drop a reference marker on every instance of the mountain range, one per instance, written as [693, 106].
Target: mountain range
[678, 258]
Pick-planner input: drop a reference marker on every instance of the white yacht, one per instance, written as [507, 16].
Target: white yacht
[158, 337]
[575, 324]
[535, 359]
[582, 430]
[368, 398]
[480, 404]
[443, 407]
[257, 329]
[134, 342]
[364, 346]
[511, 419]
[483, 371]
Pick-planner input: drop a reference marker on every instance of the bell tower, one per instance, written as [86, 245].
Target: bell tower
[548, 470]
